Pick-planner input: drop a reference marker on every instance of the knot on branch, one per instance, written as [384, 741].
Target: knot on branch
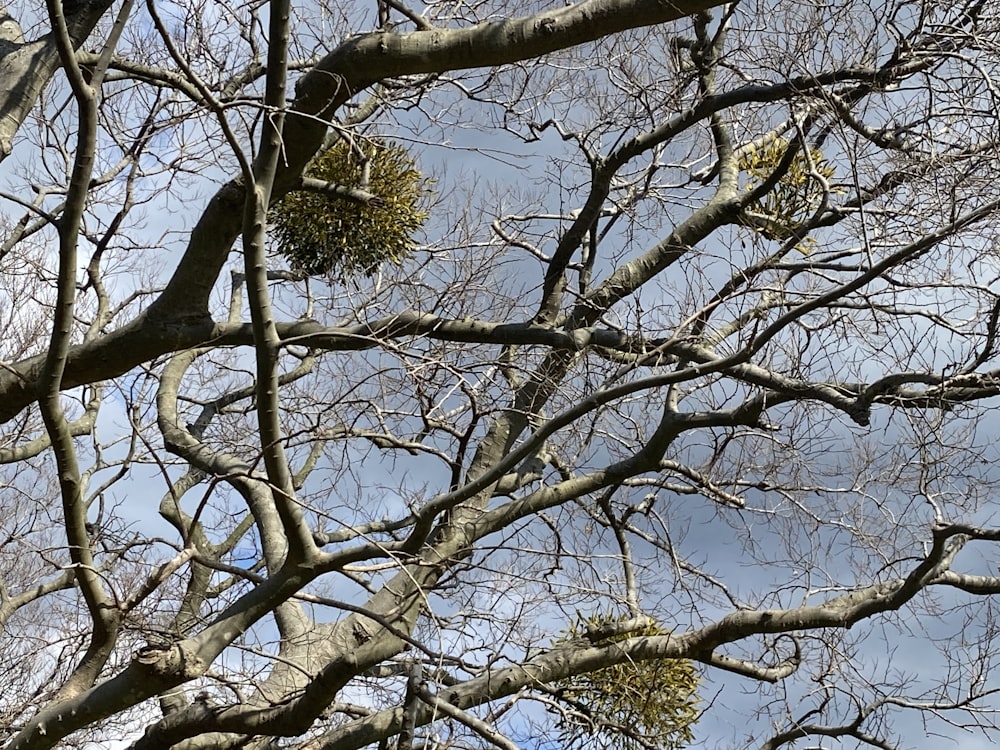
[167, 661]
[547, 25]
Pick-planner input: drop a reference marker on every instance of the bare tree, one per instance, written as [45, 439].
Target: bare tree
[686, 379]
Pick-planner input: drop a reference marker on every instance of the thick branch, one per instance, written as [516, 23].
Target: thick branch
[27, 67]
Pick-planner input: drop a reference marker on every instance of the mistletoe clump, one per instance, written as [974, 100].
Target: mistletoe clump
[632, 704]
[784, 210]
[360, 206]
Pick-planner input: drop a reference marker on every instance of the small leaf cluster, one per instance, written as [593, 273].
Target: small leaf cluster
[324, 234]
[653, 701]
[783, 211]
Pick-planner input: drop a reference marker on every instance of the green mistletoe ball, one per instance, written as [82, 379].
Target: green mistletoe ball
[632, 705]
[328, 230]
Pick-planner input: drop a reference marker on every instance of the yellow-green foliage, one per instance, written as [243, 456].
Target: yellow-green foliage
[790, 203]
[656, 700]
[324, 234]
